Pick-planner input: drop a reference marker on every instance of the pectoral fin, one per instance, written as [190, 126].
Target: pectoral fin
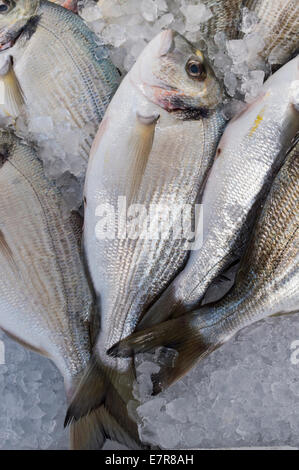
[13, 94]
[5, 250]
[191, 343]
[282, 314]
[140, 146]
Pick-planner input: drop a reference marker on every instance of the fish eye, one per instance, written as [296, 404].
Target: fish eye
[5, 6]
[196, 69]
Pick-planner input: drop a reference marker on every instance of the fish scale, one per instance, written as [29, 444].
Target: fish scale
[226, 18]
[278, 26]
[141, 260]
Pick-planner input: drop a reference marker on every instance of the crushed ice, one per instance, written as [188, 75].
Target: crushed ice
[247, 392]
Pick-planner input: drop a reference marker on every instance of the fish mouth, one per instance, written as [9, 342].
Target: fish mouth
[175, 102]
[6, 45]
[8, 40]
[10, 34]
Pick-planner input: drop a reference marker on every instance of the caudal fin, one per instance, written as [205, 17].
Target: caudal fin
[98, 412]
[91, 431]
[190, 336]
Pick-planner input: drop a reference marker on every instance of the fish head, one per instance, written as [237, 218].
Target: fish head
[14, 15]
[176, 76]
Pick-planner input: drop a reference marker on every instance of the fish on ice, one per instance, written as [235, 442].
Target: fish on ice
[157, 150]
[46, 302]
[266, 285]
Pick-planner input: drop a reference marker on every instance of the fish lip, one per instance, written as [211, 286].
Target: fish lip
[6, 45]
[9, 39]
[173, 103]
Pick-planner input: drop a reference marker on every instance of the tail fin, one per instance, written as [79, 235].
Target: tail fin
[190, 335]
[98, 412]
[91, 431]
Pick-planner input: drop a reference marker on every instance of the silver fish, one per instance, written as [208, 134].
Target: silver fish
[65, 75]
[278, 26]
[45, 300]
[267, 284]
[158, 150]
[249, 154]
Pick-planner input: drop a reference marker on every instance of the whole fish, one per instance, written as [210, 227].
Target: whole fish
[277, 27]
[66, 79]
[249, 154]
[156, 151]
[45, 300]
[267, 284]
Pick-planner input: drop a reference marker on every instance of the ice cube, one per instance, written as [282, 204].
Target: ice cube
[230, 81]
[162, 6]
[165, 21]
[35, 413]
[249, 20]
[149, 10]
[91, 13]
[41, 124]
[220, 40]
[252, 84]
[110, 8]
[114, 34]
[195, 15]
[237, 50]
[151, 408]
[168, 436]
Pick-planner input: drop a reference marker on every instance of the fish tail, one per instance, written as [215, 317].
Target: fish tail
[97, 412]
[90, 432]
[190, 336]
